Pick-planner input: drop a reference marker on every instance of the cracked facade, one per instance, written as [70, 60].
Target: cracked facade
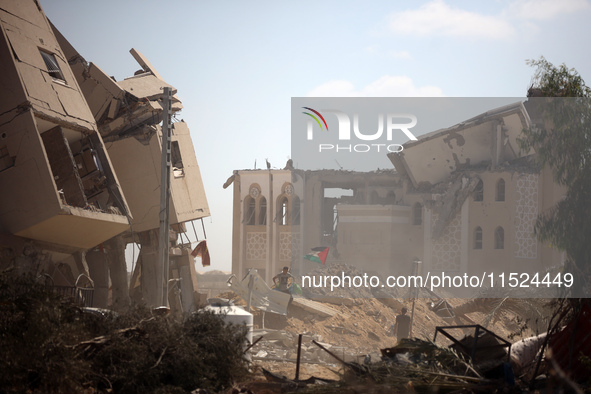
[80, 166]
[461, 200]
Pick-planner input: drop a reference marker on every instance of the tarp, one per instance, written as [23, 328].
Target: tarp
[261, 296]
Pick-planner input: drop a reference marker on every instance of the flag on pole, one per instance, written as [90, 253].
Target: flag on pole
[202, 251]
[318, 255]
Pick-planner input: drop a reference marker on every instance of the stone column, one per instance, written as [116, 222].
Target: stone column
[99, 273]
[118, 269]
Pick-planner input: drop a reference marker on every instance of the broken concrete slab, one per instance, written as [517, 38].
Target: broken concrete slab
[144, 63]
[145, 86]
[314, 307]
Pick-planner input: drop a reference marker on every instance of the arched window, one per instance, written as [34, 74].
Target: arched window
[263, 211]
[500, 194]
[295, 210]
[283, 211]
[499, 238]
[479, 191]
[249, 211]
[478, 238]
[417, 215]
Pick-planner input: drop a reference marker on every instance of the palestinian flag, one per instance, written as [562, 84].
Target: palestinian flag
[318, 254]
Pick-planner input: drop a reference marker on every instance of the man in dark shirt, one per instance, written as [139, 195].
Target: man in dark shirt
[402, 325]
[282, 280]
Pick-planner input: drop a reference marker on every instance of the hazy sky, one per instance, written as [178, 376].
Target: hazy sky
[236, 64]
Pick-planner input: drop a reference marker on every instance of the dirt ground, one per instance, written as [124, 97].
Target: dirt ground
[361, 329]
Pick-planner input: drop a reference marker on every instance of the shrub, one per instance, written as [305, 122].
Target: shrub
[47, 344]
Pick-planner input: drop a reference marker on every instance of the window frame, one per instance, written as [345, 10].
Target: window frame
[500, 190]
[478, 238]
[51, 64]
[499, 238]
[478, 195]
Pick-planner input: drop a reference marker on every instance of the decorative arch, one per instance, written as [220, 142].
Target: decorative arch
[288, 206]
[255, 207]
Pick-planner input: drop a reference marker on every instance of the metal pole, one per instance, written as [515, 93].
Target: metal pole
[163, 240]
[250, 287]
[415, 293]
[412, 318]
[297, 377]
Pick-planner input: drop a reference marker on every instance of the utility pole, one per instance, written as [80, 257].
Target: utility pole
[163, 239]
[416, 271]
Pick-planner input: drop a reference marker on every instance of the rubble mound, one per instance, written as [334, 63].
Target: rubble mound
[344, 291]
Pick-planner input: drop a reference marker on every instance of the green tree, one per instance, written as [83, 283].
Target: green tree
[558, 101]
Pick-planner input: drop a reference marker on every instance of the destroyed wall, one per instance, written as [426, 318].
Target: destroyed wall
[481, 197]
[375, 228]
[137, 161]
[58, 185]
[128, 114]
[379, 228]
[488, 139]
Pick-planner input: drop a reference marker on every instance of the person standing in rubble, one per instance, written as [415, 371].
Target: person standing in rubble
[402, 326]
[283, 280]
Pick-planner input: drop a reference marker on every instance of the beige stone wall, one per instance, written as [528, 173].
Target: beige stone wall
[264, 245]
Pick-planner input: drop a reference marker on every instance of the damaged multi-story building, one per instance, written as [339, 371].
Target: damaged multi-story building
[461, 200]
[80, 158]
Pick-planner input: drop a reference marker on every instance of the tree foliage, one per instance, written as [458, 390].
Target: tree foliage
[558, 81]
[559, 105]
[49, 345]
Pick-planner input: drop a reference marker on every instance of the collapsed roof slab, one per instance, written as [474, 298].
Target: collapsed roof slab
[146, 86]
[144, 63]
[139, 114]
[488, 138]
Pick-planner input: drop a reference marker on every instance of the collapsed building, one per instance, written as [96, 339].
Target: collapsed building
[461, 200]
[80, 166]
